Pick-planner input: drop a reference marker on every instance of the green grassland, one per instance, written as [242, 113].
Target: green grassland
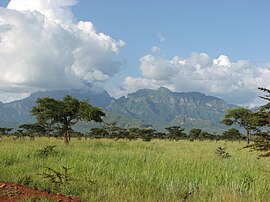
[109, 170]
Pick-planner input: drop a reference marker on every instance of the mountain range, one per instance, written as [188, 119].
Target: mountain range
[146, 107]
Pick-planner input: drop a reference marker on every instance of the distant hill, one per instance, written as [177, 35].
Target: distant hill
[161, 108]
[157, 108]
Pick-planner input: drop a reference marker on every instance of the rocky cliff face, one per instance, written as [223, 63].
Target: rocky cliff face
[164, 107]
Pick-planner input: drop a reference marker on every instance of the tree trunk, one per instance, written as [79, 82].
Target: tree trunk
[248, 136]
[66, 138]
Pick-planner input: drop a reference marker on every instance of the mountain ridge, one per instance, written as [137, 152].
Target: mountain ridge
[146, 107]
[165, 107]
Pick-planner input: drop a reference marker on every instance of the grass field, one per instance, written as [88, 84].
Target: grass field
[109, 170]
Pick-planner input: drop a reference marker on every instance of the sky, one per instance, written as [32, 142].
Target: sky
[217, 47]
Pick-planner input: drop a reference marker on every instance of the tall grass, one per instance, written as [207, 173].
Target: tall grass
[108, 170]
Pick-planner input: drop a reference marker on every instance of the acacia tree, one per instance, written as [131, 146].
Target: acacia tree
[194, 133]
[33, 129]
[65, 113]
[5, 131]
[262, 142]
[176, 132]
[265, 109]
[232, 134]
[245, 118]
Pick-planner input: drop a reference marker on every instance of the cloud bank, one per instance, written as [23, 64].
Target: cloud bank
[236, 82]
[43, 46]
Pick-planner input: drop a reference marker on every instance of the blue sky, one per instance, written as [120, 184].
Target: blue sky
[220, 48]
[239, 29]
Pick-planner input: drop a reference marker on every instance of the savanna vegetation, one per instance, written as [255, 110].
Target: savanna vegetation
[159, 170]
[138, 164]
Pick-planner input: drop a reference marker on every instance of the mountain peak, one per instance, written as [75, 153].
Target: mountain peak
[162, 107]
[164, 89]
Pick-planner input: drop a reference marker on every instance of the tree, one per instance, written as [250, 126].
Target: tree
[245, 118]
[65, 113]
[204, 135]
[147, 134]
[265, 109]
[32, 129]
[262, 140]
[176, 132]
[5, 131]
[232, 134]
[194, 133]
[133, 133]
[115, 131]
[98, 133]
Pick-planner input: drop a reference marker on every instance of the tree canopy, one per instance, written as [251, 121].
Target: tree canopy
[65, 113]
[176, 132]
[245, 118]
[262, 141]
[32, 129]
[5, 131]
[232, 134]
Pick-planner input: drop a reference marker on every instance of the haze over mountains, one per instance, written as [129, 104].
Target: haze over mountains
[157, 108]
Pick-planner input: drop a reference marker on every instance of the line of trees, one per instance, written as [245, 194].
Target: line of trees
[175, 133]
[113, 131]
[56, 118]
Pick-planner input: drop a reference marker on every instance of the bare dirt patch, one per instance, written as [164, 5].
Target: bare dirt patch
[11, 192]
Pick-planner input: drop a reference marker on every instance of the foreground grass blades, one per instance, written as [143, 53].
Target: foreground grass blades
[108, 170]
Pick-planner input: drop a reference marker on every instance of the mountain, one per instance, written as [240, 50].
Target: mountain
[17, 112]
[157, 108]
[161, 108]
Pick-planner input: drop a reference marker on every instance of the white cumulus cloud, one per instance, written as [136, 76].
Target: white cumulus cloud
[236, 82]
[153, 67]
[43, 46]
